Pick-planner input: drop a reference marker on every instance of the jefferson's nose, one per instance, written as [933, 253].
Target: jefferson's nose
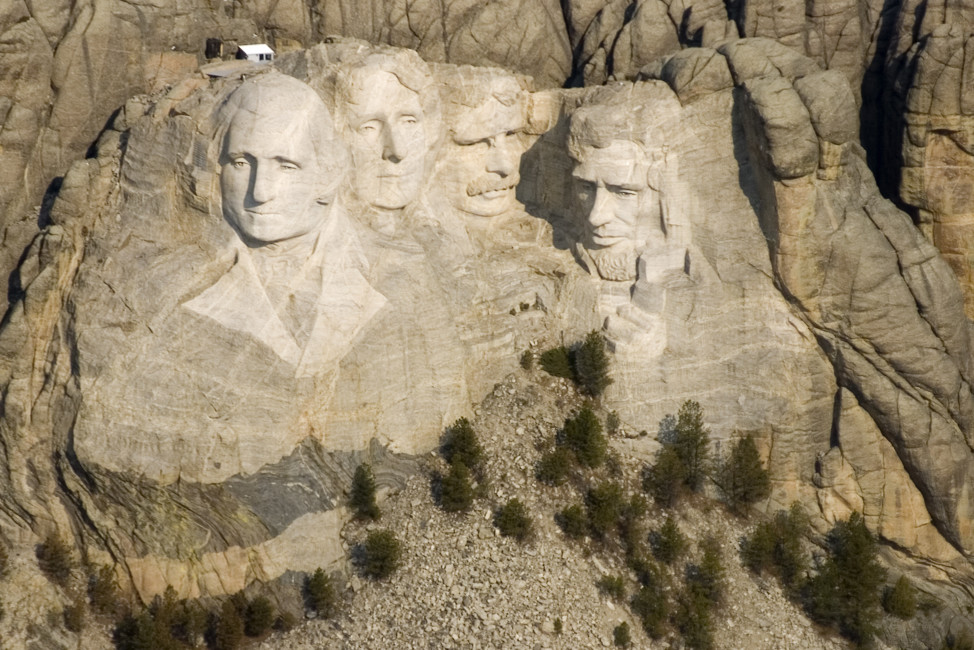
[392, 145]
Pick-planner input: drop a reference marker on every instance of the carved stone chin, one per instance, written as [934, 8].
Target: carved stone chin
[615, 264]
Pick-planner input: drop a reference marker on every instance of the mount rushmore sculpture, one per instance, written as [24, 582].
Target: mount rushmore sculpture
[262, 280]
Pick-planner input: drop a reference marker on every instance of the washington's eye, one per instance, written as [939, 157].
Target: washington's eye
[289, 166]
[239, 163]
[369, 127]
[409, 119]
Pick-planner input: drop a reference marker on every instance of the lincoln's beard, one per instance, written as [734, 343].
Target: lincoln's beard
[616, 263]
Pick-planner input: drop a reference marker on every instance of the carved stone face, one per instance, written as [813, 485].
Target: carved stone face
[616, 205]
[270, 179]
[387, 139]
[480, 162]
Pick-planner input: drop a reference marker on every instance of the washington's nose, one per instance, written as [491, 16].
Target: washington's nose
[392, 146]
[262, 184]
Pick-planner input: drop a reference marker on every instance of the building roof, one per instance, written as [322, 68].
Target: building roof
[256, 48]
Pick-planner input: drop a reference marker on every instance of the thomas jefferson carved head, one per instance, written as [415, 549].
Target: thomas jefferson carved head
[619, 148]
[281, 162]
[485, 111]
[388, 108]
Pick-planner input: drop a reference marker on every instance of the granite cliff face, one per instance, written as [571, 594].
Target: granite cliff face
[258, 281]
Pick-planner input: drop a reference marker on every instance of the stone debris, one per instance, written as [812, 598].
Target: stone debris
[461, 588]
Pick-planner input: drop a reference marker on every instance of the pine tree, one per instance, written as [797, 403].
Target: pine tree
[707, 577]
[664, 480]
[650, 603]
[668, 542]
[362, 497]
[592, 365]
[553, 467]
[605, 503]
[457, 489]
[556, 362]
[742, 477]
[573, 521]
[621, 636]
[692, 443]
[900, 600]
[583, 435]
[383, 554]
[320, 593]
[845, 592]
[228, 630]
[103, 590]
[513, 520]
[460, 444]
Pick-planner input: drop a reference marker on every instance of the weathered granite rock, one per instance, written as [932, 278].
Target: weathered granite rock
[220, 324]
[910, 372]
[937, 176]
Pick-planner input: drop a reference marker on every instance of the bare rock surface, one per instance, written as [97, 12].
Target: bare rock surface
[261, 280]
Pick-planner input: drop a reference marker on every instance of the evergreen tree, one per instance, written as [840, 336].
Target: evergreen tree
[845, 592]
[707, 577]
[776, 546]
[258, 616]
[742, 477]
[103, 590]
[692, 443]
[74, 616]
[461, 444]
[362, 497]
[457, 489]
[605, 503]
[556, 362]
[612, 586]
[664, 480]
[694, 620]
[668, 542]
[553, 467]
[228, 628]
[583, 435]
[650, 603]
[592, 365]
[621, 636]
[514, 521]
[900, 600]
[573, 521]
[383, 554]
[320, 594]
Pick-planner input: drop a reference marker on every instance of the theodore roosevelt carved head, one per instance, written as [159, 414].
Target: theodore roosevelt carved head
[485, 112]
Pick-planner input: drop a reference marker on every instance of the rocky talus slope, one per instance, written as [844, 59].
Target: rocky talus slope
[462, 585]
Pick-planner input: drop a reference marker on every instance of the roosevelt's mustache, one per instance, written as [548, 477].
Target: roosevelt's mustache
[492, 183]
